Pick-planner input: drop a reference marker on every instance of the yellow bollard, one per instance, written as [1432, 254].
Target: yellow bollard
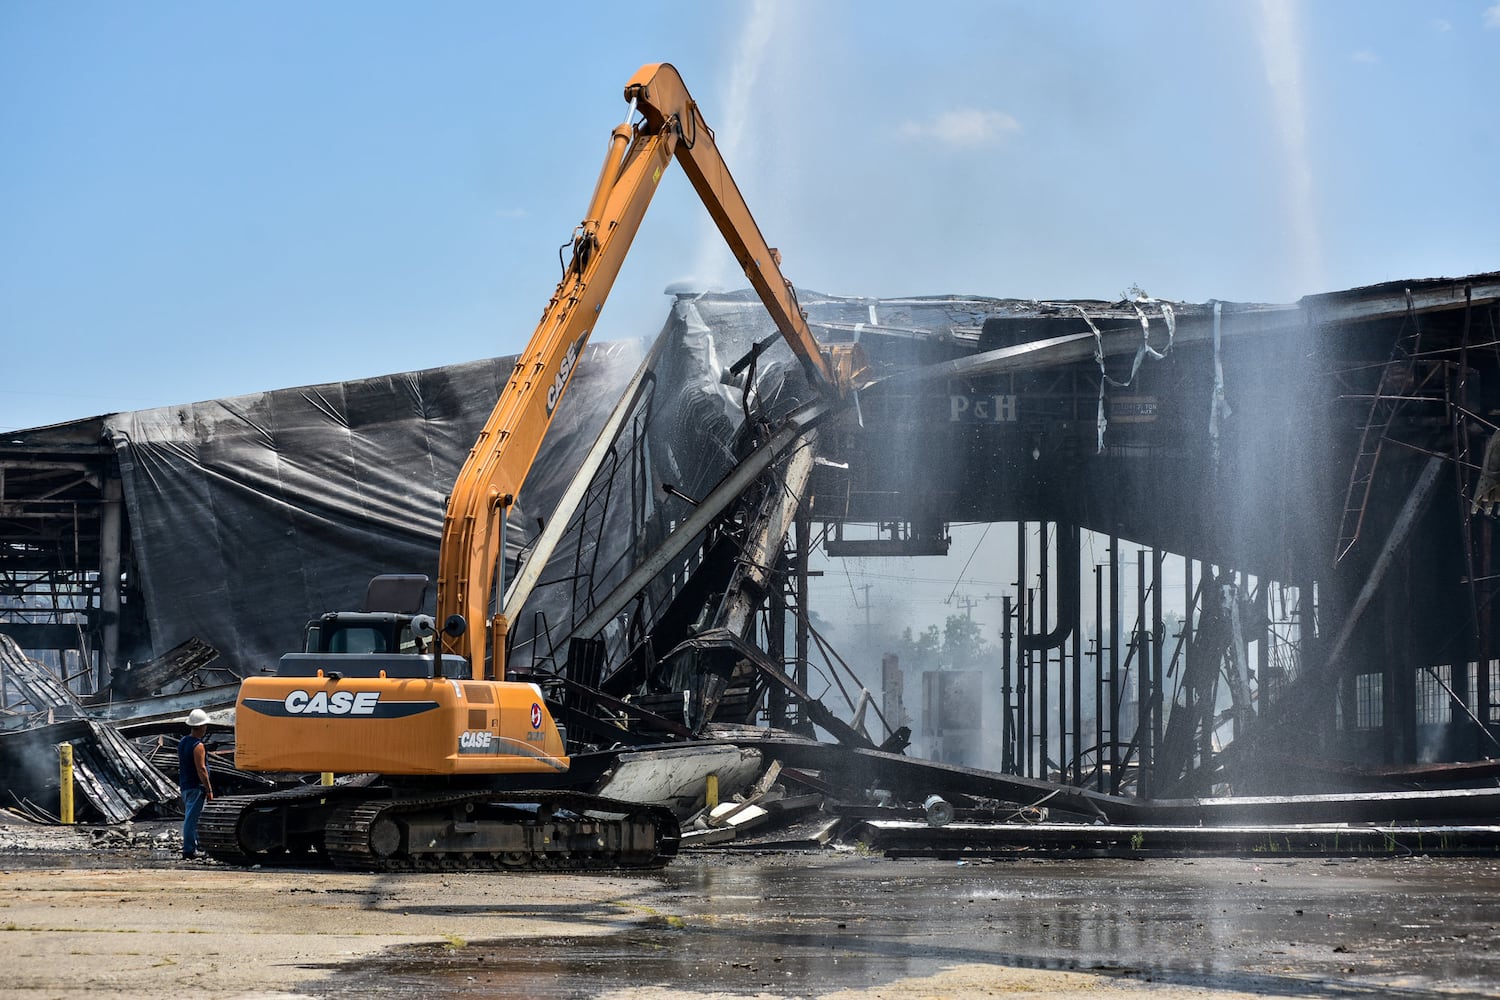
[65, 782]
[327, 778]
[711, 790]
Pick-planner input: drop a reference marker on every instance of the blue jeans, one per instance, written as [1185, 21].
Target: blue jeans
[192, 808]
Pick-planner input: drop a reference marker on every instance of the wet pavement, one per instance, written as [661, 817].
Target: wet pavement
[811, 924]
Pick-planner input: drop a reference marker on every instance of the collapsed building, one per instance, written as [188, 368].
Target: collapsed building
[1252, 546]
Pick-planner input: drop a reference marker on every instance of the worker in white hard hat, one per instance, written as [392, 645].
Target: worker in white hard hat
[192, 778]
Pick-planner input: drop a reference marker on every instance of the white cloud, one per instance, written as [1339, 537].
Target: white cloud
[1492, 17]
[1441, 24]
[964, 127]
[1364, 56]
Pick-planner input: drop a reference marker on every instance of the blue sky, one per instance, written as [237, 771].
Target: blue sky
[199, 200]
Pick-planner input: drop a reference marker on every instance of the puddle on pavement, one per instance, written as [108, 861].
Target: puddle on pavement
[802, 926]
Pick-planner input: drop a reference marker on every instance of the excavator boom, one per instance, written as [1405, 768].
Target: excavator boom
[664, 102]
[670, 127]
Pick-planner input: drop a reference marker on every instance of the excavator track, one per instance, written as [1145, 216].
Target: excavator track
[379, 829]
[254, 829]
[551, 831]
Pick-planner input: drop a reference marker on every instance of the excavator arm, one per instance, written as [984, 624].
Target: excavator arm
[473, 543]
[667, 107]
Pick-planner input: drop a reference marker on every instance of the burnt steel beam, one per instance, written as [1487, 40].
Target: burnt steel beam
[650, 719]
[720, 639]
[1390, 301]
[729, 490]
[166, 707]
[914, 779]
[1439, 805]
[1416, 501]
[966, 840]
[580, 723]
[33, 636]
[60, 510]
[1383, 302]
[39, 468]
[767, 534]
[879, 548]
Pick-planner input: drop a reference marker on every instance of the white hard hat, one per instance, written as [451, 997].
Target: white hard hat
[197, 717]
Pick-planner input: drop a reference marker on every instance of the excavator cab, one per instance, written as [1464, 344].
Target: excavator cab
[369, 644]
[370, 692]
[386, 638]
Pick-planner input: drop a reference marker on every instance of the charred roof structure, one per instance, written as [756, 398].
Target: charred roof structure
[1254, 544]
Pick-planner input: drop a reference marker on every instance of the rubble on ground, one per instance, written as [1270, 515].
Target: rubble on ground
[124, 761]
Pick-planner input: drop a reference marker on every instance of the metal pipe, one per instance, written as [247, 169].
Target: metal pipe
[1114, 663]
[1142, 683]
[1007, 723]
[1076, 757]
[1023, 622]
[1044, 682]
[1158, 649]
[1069, 579]
[1099, 703]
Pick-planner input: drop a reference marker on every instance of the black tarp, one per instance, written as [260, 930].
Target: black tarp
[253, 514]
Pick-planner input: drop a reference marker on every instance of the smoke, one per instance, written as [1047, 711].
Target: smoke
[1280, 43]
[732, 126]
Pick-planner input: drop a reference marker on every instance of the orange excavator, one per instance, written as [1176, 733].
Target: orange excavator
[471, 767]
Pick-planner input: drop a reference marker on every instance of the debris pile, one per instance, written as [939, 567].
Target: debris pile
[30, 693]
[190, 666]
[123, 767]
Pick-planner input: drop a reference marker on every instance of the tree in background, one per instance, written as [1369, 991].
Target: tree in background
[959, 646]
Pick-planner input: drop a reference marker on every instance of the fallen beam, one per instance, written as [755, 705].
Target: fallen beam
[730, 488]
[854, 770]
[906, 838]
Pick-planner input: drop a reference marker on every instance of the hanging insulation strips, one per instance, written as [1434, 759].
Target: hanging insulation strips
[1218, 409]
[1142, 352]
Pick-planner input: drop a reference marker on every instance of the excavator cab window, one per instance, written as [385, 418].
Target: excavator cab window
[357, 639]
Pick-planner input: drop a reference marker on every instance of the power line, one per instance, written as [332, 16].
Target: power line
[900, 578]
[972, 554]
